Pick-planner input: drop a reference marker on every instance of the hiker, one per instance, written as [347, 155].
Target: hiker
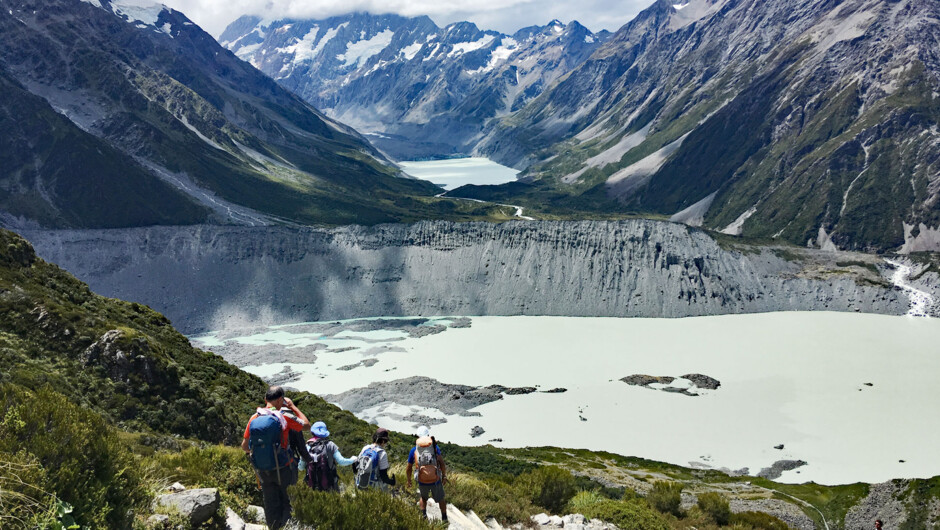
[324, 459]
[266, 444]
[878, 524]
[296, 446]
[430, 471]
[371, 466]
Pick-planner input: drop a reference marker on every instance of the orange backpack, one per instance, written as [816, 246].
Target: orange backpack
[429, 471]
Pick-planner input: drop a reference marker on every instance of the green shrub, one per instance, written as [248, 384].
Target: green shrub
[490, 498]
[550, 487]
[583, 501]
[716, 506]
[368, 509]
[84, 462]
[214, 466]
[758, 521]
[25, 500]
[666, 497]
[627, 515]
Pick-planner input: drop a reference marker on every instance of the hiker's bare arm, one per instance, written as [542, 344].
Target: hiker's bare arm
[300, 415]
[245, 446]
[408, 471]
[440, 462]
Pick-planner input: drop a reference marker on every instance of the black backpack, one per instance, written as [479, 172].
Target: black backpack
[321, 472]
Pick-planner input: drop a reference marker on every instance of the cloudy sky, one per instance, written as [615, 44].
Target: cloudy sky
[502, 15]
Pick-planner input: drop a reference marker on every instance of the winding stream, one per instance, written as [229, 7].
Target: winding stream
[921, 302]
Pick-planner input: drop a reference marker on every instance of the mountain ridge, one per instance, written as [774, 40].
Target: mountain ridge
[172, 105]
[417, 89]
[811, 122]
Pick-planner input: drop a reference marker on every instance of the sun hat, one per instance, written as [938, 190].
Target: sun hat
[423, 431]
[318, 429]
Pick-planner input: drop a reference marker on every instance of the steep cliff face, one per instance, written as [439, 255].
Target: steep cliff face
[418, 89]
[204, 277]
[810, 121]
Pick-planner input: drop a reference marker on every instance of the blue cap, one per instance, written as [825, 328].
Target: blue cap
[318, 429]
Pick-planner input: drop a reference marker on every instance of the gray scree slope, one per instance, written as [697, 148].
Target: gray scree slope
[211, 277]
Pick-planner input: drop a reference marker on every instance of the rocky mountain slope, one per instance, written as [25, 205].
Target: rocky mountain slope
[417, 89]
[206, 277]
[813, 122]
[120, 115]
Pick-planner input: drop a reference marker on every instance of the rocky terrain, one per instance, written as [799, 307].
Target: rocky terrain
[814, 122]
[416, 89]
[214, 277]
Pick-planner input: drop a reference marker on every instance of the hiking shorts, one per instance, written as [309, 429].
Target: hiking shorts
[435, 491]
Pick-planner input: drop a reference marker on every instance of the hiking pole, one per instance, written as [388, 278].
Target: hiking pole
[257, 477]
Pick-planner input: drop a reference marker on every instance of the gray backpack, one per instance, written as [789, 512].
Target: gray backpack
[366, 467]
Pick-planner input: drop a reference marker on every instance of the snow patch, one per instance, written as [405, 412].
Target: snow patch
[694, 215]
[693, 12]
[589, 39]
[506, 48]
[433, 53]
[95, 3]
[735, 228]
[465, 47]
[357, 53]
[411, 50]
[142, 11]
[304, 49]
[246, 53]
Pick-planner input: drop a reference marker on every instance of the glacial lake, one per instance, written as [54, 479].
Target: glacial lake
[852, 395]
[453, 173]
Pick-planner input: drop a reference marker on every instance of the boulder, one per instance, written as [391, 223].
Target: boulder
[255, 513]
[556, 521]
[158, 521]
[176, 487]
[233, 521]
[575, 518]
[541, 519]
[198, 505]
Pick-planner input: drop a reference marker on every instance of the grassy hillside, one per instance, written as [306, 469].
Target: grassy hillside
[103, 403]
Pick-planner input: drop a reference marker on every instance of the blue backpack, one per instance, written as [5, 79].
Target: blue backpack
[264, 439]
[366, 466]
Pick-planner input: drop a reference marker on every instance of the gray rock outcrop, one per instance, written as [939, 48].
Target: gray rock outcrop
[198, 505]
[424, 391]
[777, 468]
[210, 277]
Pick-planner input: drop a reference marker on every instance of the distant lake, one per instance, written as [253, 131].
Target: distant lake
[451, 174]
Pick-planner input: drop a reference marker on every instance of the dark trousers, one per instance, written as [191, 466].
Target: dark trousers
[277, 508]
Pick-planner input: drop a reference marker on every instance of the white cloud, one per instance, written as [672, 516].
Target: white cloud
[500, 15]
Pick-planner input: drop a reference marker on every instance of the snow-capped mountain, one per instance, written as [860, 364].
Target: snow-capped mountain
[416, 88]
[123, 113]
[812, 121]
